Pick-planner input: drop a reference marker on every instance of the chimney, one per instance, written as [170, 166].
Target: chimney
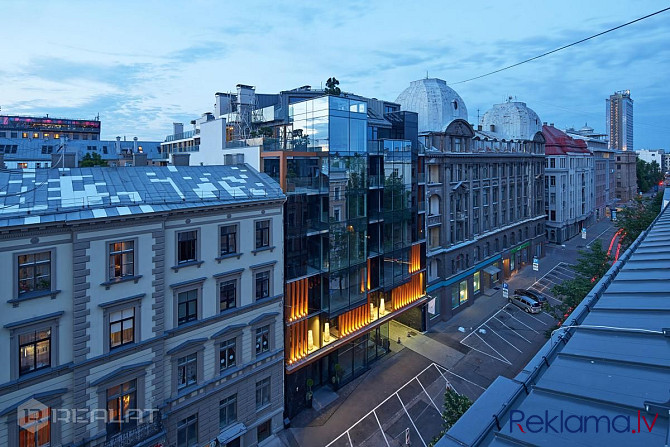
[180, 159]
[177, 128]
[493, 127]
[479, 127]
[134, 144]
[64, 160]
[552, 124]
[117, 145]
[139, 159]
[544, 123]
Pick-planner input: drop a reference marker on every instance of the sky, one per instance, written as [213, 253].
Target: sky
[142, 65]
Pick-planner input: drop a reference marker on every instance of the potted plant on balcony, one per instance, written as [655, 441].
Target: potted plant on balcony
[309, 394]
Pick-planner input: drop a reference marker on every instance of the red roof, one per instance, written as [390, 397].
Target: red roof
[560, 143]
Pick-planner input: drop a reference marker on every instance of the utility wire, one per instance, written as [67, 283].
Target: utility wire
[563, 47]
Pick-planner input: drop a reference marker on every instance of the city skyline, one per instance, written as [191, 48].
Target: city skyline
[144, 68]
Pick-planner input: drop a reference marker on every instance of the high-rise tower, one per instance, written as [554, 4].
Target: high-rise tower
[620, 121]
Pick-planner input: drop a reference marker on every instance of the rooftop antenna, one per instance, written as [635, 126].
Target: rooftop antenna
[478, 115]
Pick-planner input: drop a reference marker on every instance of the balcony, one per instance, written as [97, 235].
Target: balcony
[435, 219]
[141, 432]
[182, 136]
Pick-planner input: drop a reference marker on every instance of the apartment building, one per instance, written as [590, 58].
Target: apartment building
[141, 306]
[485, 189]
[570, 180]
[30, 142]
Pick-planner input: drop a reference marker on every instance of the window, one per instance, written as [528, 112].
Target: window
[35, 428]
[228, 411]
[262, 339]
[227, 295]
[34, 272]
[476, 282]
[187, 306]
[36, 135]
[187, 246]
[121, 259]
[262, 234]
[262, 285]
[121, 327]
[264, 430]
[263, 393]
[187, 371]
[227, 354]
[34, 351]
[228, 239]
[187, 432]
[121, 407]
[24, 135]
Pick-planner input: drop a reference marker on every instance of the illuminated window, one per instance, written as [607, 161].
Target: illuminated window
[36, 135]
[122, 327]
[463, 292]
[22, 165]
[46, 135]
[121, 259]
[56, 136]
[35, 428]
[121, 404]
[476, 284]
[24, 135]
[34, 351]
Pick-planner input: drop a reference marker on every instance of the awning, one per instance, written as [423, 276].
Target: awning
[232, 432]
[491, 270]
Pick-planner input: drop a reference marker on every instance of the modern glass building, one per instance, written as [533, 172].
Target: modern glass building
[354, 236]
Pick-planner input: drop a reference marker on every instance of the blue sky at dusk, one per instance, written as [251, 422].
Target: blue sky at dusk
[142, 65]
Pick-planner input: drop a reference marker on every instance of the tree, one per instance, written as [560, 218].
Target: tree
[90, 160]
[332, 87]
[455, 406]
[633, 220]
[648, 175]
[591, 266]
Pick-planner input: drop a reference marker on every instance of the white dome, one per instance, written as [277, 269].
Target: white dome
[512, 121]
[436, 103]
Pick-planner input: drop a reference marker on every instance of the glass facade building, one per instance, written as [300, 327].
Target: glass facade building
[354, 236]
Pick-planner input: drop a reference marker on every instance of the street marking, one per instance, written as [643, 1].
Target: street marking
[460, 377]
[486, 354]
[514, 331]
[522, 322]
[475, 330]
[505, 340]
[494, 350]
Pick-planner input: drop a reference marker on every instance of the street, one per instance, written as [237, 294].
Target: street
[403, 394]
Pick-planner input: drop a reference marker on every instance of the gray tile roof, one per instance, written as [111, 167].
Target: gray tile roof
[611, 359]
[38, 196]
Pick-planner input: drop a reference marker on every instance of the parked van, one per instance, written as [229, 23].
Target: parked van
[526, 303]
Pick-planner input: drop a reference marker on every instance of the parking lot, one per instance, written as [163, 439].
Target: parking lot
[511, 333]
[559, 274]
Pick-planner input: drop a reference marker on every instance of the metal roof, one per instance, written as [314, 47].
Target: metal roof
[611, 360]
[39, 196]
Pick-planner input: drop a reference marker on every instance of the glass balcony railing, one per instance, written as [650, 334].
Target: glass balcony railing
[183, 135]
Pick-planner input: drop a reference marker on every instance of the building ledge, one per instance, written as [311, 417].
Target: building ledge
[33, 295]
[258, 250]
[187, 264]
[111, 282]
[228, 256]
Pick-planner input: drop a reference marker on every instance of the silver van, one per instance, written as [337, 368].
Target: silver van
[526, 303]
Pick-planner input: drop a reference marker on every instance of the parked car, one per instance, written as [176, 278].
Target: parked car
[534, 295]
[528, 304]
